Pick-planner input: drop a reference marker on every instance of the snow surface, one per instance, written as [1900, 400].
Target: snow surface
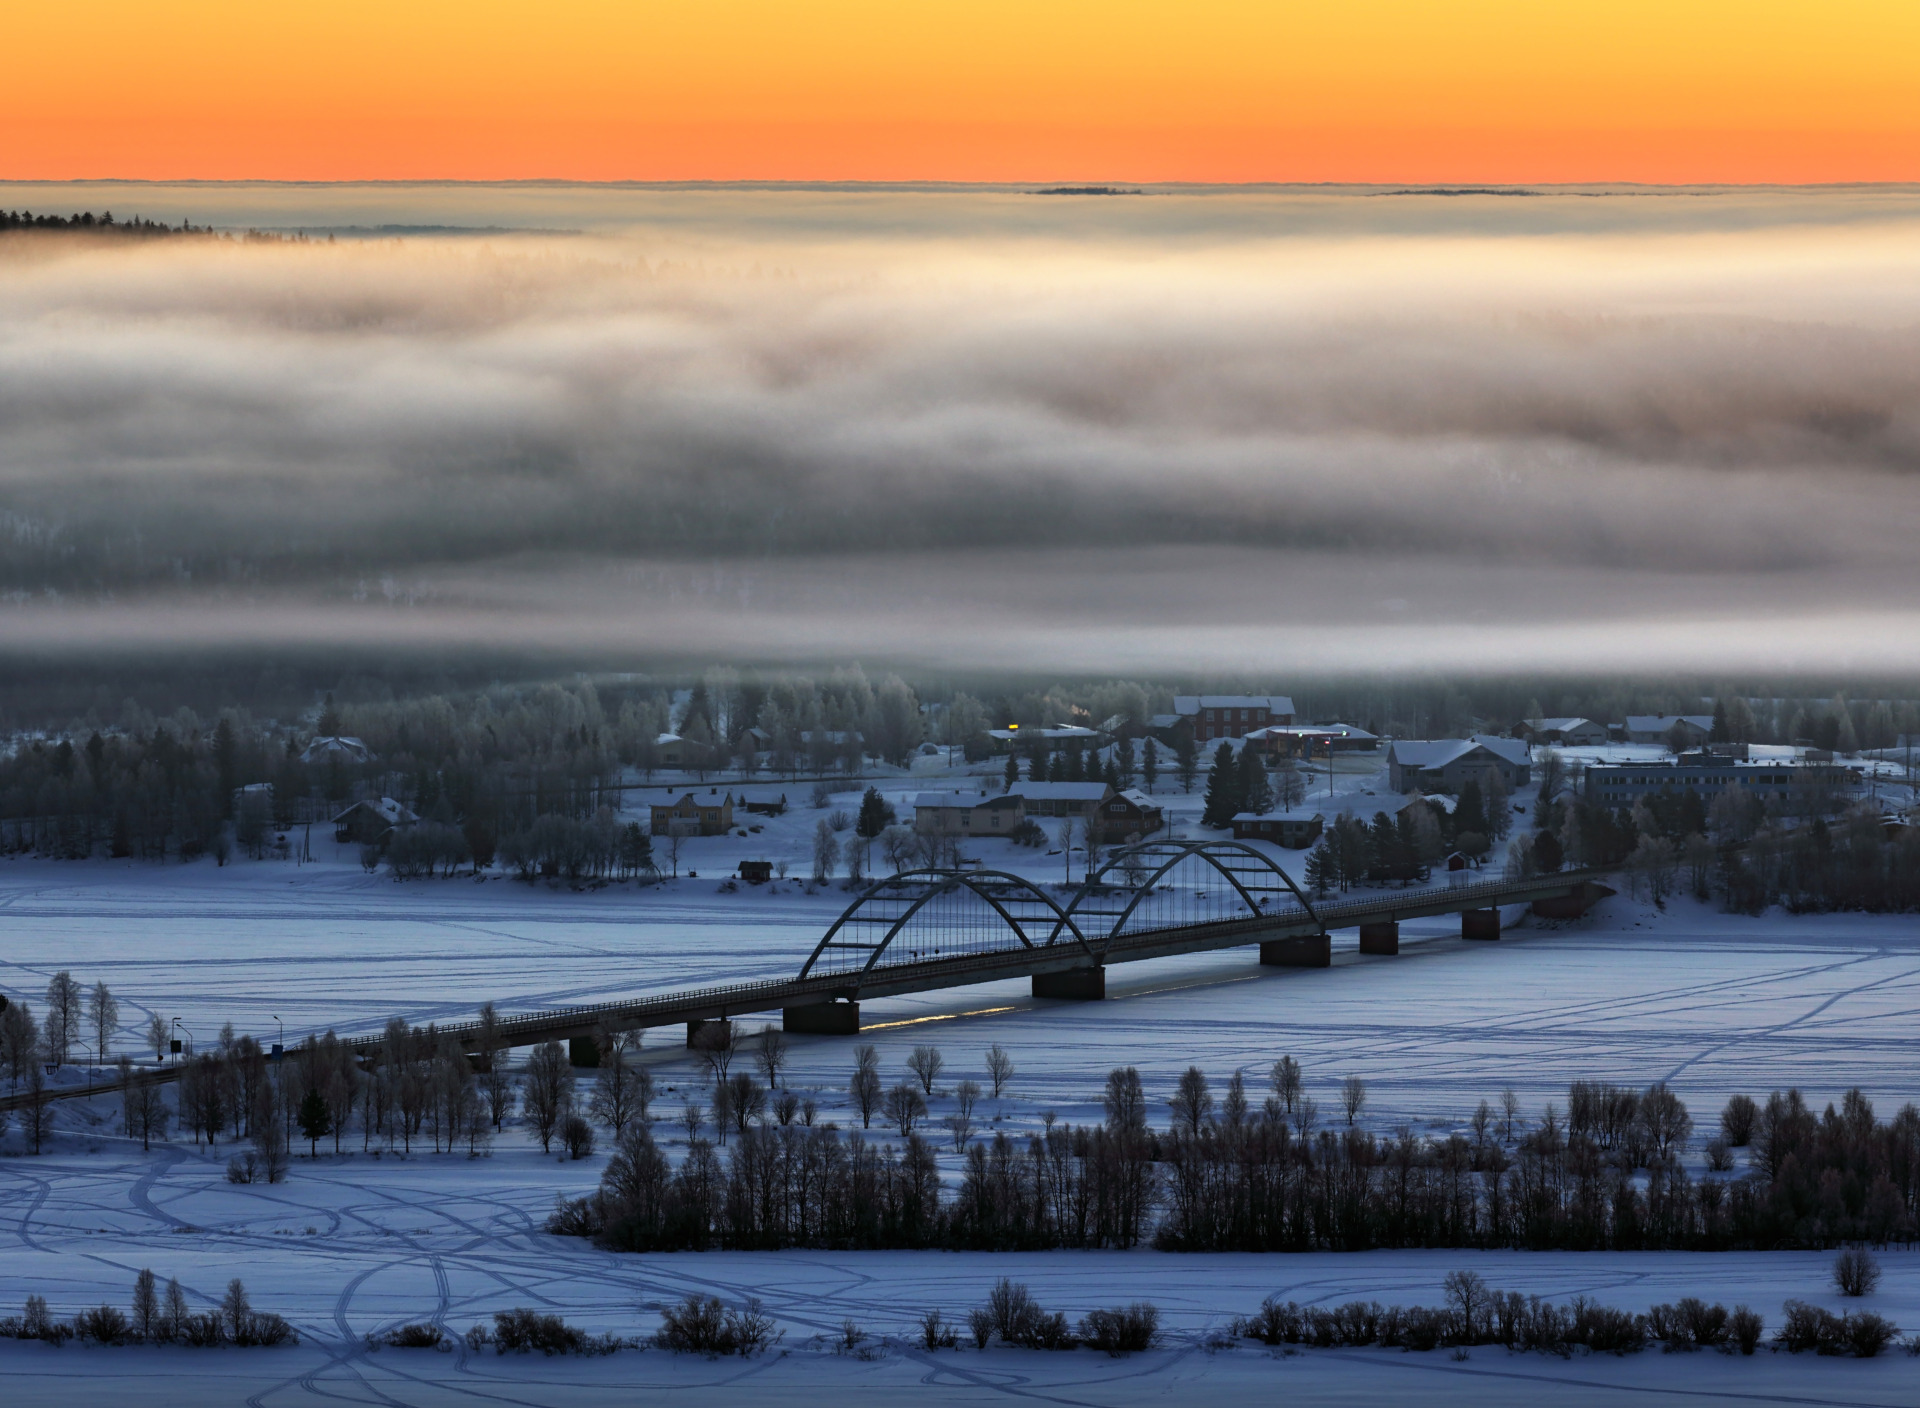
[1712, 1003]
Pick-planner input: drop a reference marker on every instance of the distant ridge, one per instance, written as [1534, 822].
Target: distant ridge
[1088, 191]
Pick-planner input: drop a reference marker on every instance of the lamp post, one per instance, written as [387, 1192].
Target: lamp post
[280, 1042]
[185, 1028]
[89, 1050]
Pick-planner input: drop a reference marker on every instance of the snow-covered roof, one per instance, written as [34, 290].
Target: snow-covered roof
[1438, 752]
[1660, 723]
[1194, 703]
[1061, 791]
[388, 810]
[1298, 814]
[335, 746]
[1557, 725]
[964, 799]
[1139, 798]
[1312, 731]
[1057, 733]
[1163, 721]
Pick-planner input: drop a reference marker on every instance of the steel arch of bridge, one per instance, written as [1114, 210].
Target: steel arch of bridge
[1233, 860]
[890, 906]
[893, 903]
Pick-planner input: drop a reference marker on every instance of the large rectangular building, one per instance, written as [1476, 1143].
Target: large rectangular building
[1212, 716]
[1620, 785]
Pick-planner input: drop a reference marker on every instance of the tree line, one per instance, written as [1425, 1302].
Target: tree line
[1606, 1175]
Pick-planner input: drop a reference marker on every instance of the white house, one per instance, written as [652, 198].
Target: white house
[966, 813]
[1448, 764]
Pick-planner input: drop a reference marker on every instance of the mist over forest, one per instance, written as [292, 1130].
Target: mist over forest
[1224, 434]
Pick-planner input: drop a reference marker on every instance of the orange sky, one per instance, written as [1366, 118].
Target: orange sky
[966, 90]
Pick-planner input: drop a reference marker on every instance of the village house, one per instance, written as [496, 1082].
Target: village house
[336, 748]
[966, 814]
[1688, 730]
[764, 803]
[1005, 740]
[1213, 716]
[1076, 799]
[1448, 764]
[713, 815]
[1296, 830]
[1129, 816]
[371, 821]
[1569, 732]
[1314, 740]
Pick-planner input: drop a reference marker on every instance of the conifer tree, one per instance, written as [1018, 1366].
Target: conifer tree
[1223, 789]
[1256, 793]
[1150, 765]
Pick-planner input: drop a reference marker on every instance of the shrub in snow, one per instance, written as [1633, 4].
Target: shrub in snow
[1855, 1272]
[701, 1325]
[1018, 1319]
[1745, 1328]
[424, 1335]
[1124, 1331]
[522, 1331]
[936, 1333]
[103, 1325]
[577, 1137]
[1690, 1325]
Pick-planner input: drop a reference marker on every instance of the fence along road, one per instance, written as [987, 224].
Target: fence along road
[1157, 900]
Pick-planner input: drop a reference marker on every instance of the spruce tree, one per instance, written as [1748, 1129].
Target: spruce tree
[1470, 811]
[1186, 761]
[1256, 793]
[875, 814]
[1013, 772]
[1150, 765]
[315, 1120]
[1223, 789]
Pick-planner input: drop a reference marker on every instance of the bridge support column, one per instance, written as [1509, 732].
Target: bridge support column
[1382, 938]
[583, 1052]
[822, 1019]
[1308, 951]
[1074, 985]
[1574, 903]
[709, 1033]
[1480, 923]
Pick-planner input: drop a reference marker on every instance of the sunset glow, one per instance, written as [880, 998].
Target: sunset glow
[1229, 90]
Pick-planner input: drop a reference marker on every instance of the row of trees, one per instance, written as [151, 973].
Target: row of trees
[1608, 1176]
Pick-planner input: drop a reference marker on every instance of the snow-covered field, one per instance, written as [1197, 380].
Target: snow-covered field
[1714, 1004]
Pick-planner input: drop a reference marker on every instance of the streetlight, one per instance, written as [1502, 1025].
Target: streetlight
[280, 1044]
[176, 1040]
[89, 1050]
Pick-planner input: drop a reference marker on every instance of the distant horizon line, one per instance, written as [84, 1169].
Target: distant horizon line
[1035, 186]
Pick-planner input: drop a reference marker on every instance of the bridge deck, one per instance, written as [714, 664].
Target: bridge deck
[744, 999]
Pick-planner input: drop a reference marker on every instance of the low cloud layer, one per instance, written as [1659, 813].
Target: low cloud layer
[1496, 428]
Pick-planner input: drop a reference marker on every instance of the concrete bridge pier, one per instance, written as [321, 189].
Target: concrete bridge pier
[1308, 951]
[1480, 923]
[1575, 902]
[709, 1033]
[1382, 937]
[1073, 985]
[822, 1019]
